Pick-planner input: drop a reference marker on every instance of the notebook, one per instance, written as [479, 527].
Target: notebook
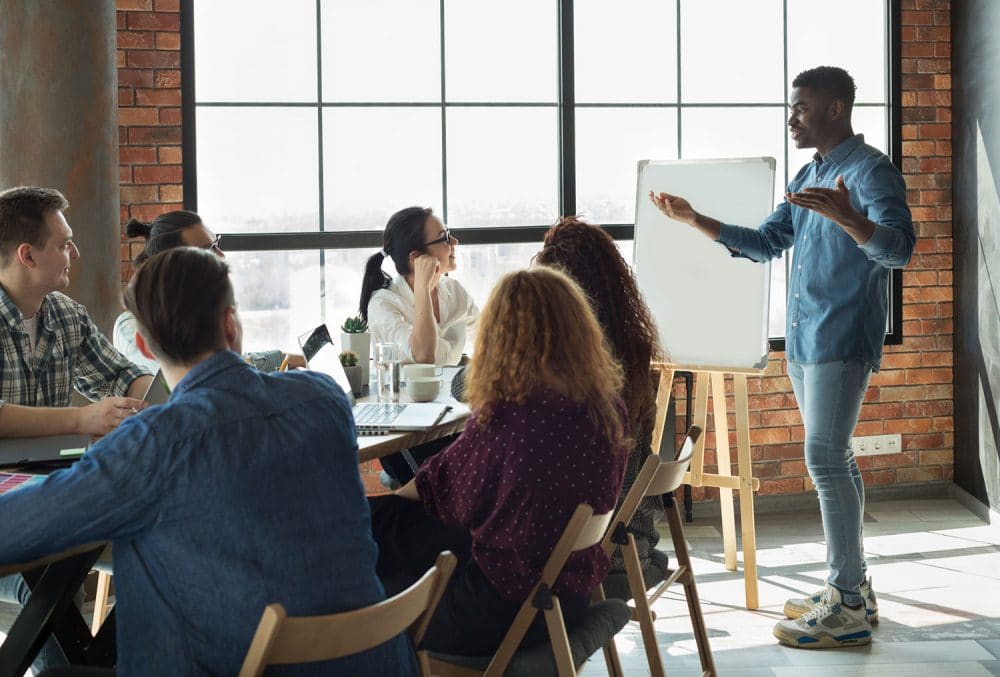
[158, 391]
[370, 418]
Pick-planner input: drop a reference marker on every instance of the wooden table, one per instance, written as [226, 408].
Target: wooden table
[54, 582]
[376, 446]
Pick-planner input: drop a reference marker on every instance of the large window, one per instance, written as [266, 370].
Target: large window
[311, 121]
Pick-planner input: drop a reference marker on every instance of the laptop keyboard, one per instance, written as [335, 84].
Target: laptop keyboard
[377, 414]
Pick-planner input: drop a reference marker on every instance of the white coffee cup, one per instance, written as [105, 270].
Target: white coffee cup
[423, 388]
[418, 370]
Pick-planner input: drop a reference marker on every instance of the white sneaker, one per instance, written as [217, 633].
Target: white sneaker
[826, 627]
[797, 606]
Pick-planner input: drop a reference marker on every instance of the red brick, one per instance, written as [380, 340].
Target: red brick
[768, 436]
[139, 194]
[168, 5]
[918, 148]
[907, 425]
[168, 78]
[159, 21]
[785, 485]
[135, 78]
[125, 96]
[137, 155]
[153, 59]
[869, 428]
[169, 155]
[139, 135]
[923, 441]
[124, 175]
[924, 33]
[779, 452]
[793, 469]
[880, 477]
[141, 40]
[158, 174]
[168, 40]
[937, 65]
[137, 116]
[170, 116]
[172, 193]
[938, 457]
[937, 359]
[918, 474]
[130, 5]
[916, 18]
[935, 131]
[158, 97]
[150, 212]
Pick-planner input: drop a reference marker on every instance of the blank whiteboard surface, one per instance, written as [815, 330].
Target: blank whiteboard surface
[711, 309]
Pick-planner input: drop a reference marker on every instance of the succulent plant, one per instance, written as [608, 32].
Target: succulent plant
[355, 325]
[349, 358]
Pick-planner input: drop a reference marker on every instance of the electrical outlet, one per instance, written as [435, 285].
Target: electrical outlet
[873, 445]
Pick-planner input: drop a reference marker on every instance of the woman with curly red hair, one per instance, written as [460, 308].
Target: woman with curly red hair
[548, 432]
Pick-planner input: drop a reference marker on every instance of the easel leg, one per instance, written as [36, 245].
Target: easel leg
[746, 490]
[663, 393]
[695, 476]
[725, 467]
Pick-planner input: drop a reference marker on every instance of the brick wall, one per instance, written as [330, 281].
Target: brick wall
[913, 393]
[149, 113]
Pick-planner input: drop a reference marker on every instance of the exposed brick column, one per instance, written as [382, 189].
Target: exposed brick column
[149, 113]
[57, 122]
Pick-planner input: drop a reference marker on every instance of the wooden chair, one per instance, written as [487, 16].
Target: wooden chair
[283, 640]
[566, 652]
[657, 476]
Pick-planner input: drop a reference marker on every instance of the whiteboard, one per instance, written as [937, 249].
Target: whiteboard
[711, 309]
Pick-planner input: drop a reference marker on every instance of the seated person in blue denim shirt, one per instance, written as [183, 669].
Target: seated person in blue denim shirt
[846, 215]
[242, 490]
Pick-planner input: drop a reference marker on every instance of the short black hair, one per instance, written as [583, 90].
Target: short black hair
[177, 297]
[830, 79]
[22, 217]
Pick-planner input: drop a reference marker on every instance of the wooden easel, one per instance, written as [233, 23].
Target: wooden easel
[708, 378]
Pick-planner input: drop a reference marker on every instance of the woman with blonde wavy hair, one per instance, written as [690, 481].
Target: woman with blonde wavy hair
[548, 431]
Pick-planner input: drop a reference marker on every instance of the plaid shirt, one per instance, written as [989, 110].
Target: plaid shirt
[70, 352]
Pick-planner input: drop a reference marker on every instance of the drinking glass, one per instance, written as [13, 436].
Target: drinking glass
[387, 370]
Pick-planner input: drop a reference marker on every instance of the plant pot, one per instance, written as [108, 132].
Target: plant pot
[360, 344]
[355, 378]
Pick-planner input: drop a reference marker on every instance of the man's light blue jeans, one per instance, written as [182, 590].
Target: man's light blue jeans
[829, 395]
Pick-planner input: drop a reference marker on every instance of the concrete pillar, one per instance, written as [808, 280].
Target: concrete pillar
[59, 128]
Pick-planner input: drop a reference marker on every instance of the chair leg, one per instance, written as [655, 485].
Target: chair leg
[559, 640]
[690, 590]
[101, 601]
[611, 659]
[637, 586]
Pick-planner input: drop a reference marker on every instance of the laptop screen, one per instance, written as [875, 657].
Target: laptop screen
[322, 356]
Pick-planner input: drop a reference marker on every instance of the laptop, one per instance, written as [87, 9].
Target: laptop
[370, 418]
[26, 450]
[158, 391]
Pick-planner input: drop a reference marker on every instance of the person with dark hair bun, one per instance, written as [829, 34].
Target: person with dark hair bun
[429, 316]
[167, 231]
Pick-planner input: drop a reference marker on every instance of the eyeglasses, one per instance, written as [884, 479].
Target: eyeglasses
[215, 244]
[446, 237]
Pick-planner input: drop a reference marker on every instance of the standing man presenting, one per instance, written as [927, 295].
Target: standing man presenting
[845, 213]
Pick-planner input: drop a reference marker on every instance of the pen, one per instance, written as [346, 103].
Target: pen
[284, 364]
[443, 413]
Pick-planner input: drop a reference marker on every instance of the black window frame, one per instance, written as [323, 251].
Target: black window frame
[566, 104]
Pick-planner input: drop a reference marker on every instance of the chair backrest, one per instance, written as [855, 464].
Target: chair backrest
[284, 640]
[669, 474]
[584, 529]
[657, 475]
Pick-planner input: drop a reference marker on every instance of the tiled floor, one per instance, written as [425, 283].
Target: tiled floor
[936, 571]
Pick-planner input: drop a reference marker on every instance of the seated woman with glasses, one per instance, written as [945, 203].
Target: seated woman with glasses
[167, 231]
[548, 431]
[428, 316]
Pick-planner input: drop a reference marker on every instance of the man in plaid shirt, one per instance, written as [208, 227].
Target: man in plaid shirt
[48, 344]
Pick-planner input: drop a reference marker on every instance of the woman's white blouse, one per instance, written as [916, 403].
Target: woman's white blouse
[390, 318]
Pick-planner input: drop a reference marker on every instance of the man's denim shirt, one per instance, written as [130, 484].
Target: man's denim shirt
[242, 490]
[837, 291]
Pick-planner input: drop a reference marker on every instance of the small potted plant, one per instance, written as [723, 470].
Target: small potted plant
[355, 337]
[349, 359]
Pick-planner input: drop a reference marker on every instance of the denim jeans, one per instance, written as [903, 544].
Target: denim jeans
[829, 395]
